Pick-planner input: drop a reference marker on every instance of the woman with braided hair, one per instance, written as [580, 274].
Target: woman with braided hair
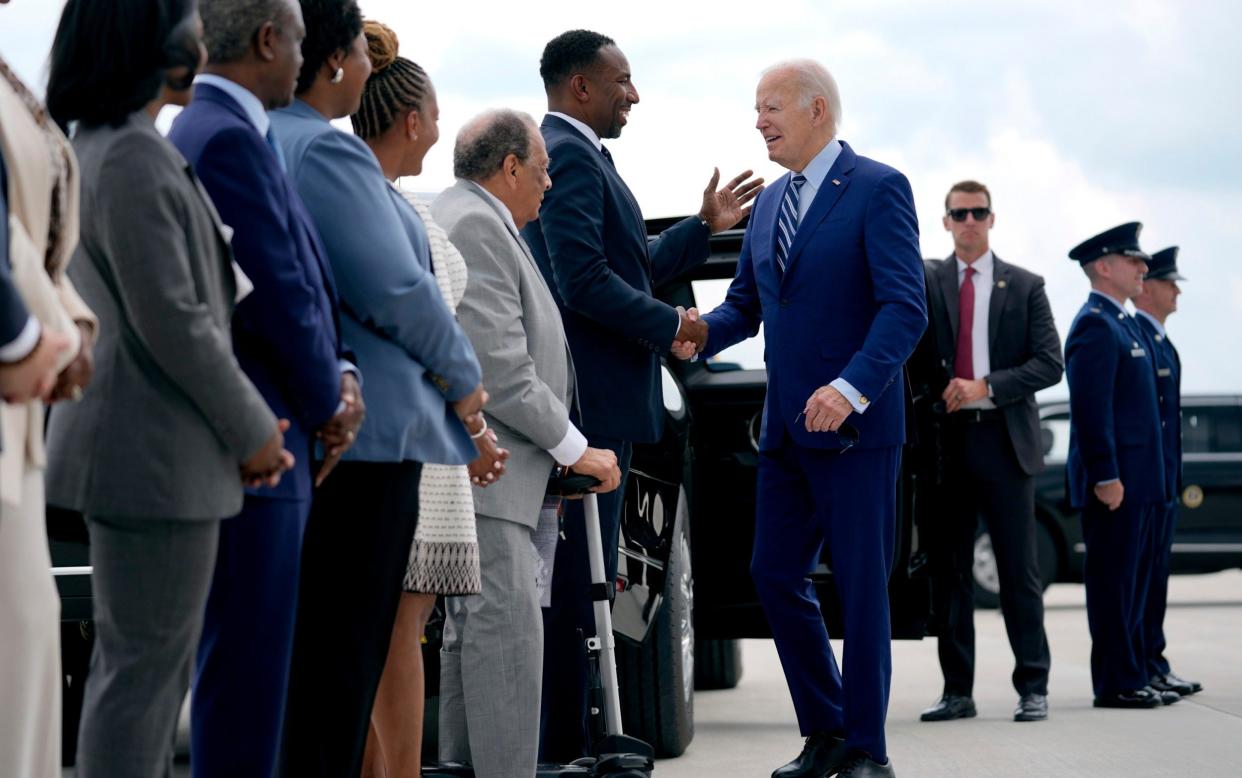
[397, 120]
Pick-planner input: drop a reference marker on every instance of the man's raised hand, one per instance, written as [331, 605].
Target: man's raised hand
[727, 206]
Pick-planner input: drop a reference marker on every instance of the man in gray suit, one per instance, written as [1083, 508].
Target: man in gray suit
[492, 658]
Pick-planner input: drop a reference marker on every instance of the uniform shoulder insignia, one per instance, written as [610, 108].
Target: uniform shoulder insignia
[1094, 310]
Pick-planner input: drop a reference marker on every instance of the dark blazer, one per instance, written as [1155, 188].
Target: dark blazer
[591, 245]
[285, 332]
[1114, 410]
[1169, 394]
[1024, 349]
[850, 303]
[169, 416]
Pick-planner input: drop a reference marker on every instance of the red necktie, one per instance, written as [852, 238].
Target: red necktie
[963, 360]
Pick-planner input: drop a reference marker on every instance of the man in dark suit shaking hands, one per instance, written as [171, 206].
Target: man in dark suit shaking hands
[591, 244]
[995, 344]
[831, 267]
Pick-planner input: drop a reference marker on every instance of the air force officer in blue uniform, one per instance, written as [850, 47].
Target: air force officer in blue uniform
[1152, 310]
[1115, 462]
[831, 267]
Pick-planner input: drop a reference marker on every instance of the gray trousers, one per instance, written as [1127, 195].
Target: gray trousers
[491, 661]
[151, 579]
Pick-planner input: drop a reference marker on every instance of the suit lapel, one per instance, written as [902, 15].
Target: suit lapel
[1000, 293]
[830, 191]
[946, 276]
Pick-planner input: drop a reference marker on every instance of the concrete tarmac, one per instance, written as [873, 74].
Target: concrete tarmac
[750, 730]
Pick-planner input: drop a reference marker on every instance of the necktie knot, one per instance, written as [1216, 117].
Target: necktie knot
[607, 155]
[797, 181]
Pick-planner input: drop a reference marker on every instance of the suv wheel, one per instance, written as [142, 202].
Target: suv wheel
[657, 677]
[718, 664]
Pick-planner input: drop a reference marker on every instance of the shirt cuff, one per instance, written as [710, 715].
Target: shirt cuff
[988, 384]
[571, 448]
[1109, 481]
[347, 367]
[848, 391]
[20, 347]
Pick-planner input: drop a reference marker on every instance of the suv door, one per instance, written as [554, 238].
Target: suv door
[1210, 522]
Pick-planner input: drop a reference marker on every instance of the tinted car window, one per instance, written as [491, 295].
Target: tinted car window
[1211, 429]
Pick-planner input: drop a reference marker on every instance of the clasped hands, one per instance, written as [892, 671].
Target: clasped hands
[489, 465]
[962, 391]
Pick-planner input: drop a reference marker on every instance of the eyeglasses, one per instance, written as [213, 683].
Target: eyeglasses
[959, 214]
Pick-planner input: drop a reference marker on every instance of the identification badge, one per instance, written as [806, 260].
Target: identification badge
[1137, 352]
[1164, 372]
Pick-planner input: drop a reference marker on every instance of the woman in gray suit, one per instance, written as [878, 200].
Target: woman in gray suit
[156, 452]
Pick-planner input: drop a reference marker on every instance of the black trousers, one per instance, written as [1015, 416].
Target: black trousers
[563, 709]
[983, 478]
[354, 558]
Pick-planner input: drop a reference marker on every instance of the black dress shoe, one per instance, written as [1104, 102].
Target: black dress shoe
[822, 754]
[1166, 698]
[1168, 682]
[950, 706]
[1031, 707]
[863, 766]
[1138, 698]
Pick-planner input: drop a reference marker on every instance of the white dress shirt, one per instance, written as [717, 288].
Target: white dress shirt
[574, 444]
[980, 359]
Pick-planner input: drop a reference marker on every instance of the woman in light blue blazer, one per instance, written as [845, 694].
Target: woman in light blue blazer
[421, 381]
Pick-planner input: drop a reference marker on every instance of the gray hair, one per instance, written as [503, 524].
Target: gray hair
[229, 25]
[813, 80]
[486, 140]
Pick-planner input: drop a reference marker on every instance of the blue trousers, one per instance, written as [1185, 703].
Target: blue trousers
[563, 707]
[240, 686]
[1165, 522]
[808, 497]
[1115, 571]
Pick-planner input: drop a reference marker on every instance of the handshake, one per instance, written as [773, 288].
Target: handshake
[691, 336]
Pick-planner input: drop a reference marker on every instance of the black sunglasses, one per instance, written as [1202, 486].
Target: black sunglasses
[959, 214]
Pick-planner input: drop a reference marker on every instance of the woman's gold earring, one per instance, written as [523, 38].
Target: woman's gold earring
[338, 75]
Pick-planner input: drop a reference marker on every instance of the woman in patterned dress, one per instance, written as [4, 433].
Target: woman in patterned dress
[397, 119]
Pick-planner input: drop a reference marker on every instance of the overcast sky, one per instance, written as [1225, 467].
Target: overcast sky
[1077, 115]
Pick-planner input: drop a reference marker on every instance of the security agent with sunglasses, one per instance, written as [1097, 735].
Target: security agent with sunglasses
[830, 265]
[993, 343]
[1152, 310]
[1115, 464]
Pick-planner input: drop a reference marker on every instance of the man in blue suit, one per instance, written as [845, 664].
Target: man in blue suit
[286, 335]
[1152, 310]
[831, 267]
[1115, 463]
[591, 244]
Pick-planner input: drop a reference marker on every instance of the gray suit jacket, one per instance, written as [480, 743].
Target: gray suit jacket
[515, 327]
[169, 415]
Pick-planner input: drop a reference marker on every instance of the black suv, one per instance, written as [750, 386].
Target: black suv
[681, 606]
[1208, 536]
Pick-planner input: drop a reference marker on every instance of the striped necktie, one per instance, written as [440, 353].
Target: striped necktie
[787, 224]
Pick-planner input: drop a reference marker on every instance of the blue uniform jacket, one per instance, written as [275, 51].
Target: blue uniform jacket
[415, 357]
[851, 303]
[1114, 411]
[1169, 395]
[591, 244]
[285, 332]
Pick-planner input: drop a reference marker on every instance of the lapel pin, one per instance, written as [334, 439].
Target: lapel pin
[836, 182]
[1000, 284]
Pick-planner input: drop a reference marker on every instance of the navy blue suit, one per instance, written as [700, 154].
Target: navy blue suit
[1114, 434]
[590, 243]
[851, 304]
[286, 337]
[1169, 394]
